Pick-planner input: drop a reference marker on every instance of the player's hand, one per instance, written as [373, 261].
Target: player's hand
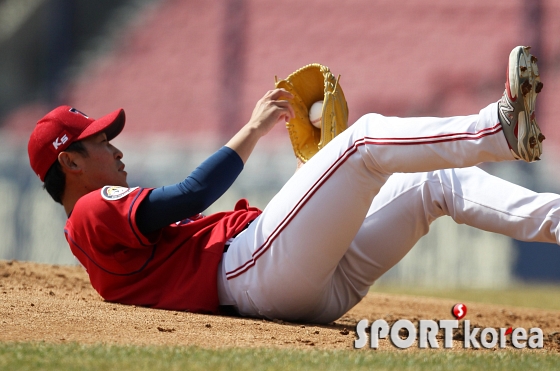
[271, 109]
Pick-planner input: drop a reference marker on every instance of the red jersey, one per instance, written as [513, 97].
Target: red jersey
[174, 268]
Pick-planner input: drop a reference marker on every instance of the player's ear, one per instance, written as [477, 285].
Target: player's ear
[69, 162]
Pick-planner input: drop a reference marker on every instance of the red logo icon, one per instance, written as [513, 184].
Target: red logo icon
[459, 310]
[508, 331]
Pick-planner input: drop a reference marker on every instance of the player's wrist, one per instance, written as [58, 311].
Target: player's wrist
[254, 128]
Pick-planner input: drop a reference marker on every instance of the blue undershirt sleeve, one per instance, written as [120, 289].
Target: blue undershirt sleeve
[207, 183]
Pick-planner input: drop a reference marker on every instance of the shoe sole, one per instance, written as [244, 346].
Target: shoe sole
[523, 81]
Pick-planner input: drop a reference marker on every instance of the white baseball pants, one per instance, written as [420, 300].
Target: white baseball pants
[359, 205]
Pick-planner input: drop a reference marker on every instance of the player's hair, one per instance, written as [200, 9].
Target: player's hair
[55, 180]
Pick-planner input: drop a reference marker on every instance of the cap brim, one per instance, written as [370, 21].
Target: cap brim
[111, 124]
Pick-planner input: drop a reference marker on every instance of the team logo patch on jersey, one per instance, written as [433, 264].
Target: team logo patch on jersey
[111, 193]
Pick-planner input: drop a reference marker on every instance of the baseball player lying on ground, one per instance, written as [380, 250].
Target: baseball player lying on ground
[345, 218]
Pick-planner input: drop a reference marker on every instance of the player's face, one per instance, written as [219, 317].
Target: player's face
[103, 165]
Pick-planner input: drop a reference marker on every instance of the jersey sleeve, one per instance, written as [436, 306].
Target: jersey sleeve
[198, 191]
[106, 217]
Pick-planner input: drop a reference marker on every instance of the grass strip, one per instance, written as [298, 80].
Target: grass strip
[69, 357]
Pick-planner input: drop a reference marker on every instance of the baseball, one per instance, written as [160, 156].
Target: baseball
[315, 113]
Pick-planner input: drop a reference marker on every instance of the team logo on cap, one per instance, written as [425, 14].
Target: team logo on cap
[60, 141]
[73, 110]
[111, 193]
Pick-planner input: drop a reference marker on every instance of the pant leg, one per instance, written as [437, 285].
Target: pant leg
[407, 204]
[282, 265]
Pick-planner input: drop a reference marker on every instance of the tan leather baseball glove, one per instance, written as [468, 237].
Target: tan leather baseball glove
[310, 84]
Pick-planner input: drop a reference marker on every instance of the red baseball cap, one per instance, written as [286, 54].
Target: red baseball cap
[63, 126]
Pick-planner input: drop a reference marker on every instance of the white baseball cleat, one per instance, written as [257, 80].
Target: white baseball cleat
[516, 109]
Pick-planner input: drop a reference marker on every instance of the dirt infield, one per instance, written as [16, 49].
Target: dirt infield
[57, 304]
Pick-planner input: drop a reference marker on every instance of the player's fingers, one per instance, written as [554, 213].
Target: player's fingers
[288, 106]
[280, 94]
[287, 117]
[268, 95]
[265, 97]
[282, 103]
